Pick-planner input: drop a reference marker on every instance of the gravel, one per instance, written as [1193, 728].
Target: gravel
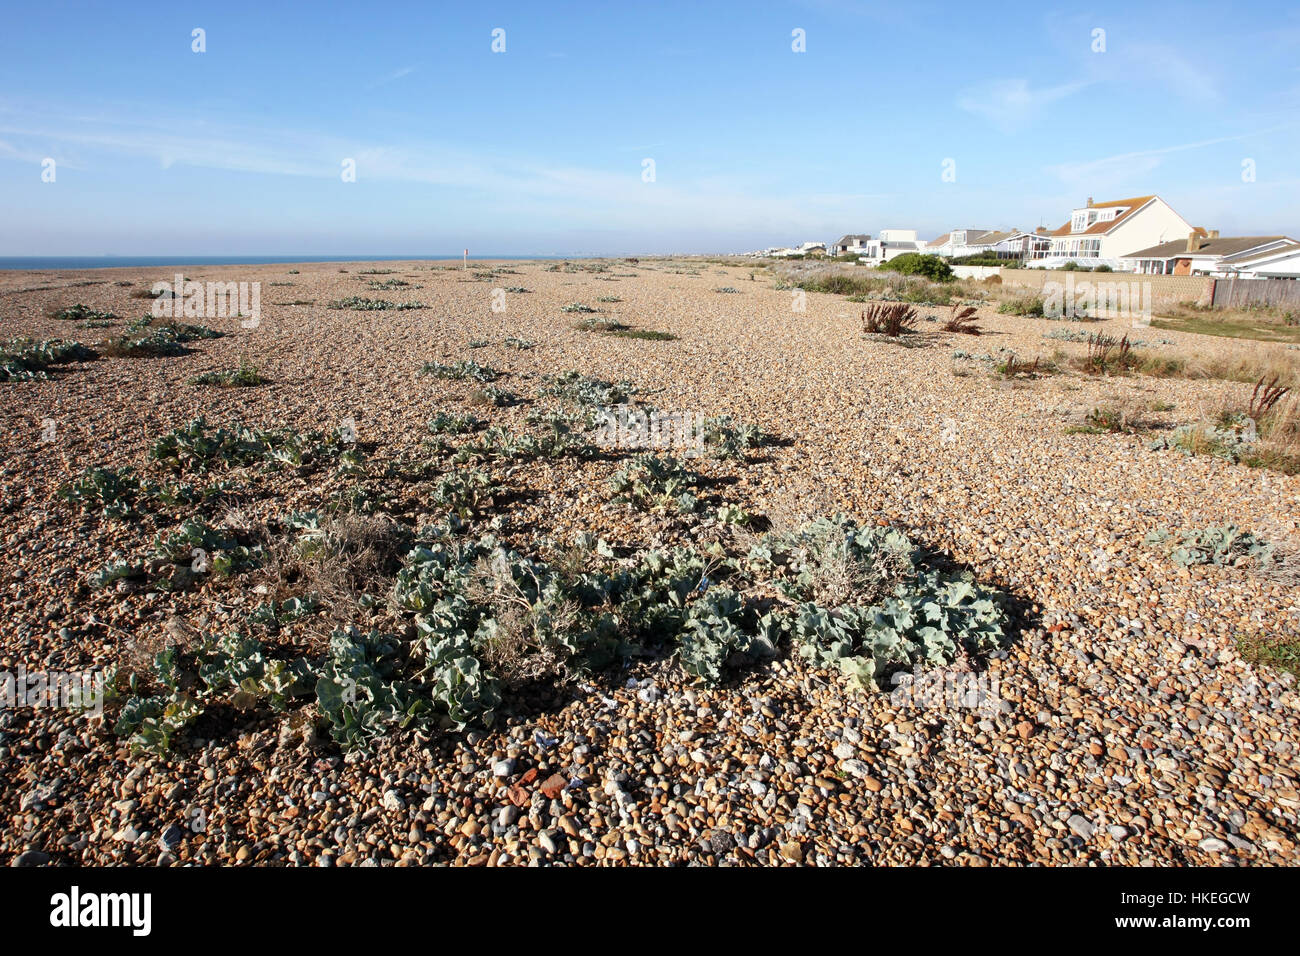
[1125, 727]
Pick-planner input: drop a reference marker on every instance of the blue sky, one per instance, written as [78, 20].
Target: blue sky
[540, 149]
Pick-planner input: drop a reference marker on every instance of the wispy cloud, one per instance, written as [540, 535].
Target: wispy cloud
[1012, 104]
[12, 152]
[1158, 64]
[390, 77]
[1123, 166]
[515, 185]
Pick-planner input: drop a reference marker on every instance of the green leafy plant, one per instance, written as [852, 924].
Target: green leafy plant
[1235, 439]
[192, 549]
[934, 268]
[462, 492]
[84, 313]
[461, 371]
[588, 392]
[495, 396]
[167, 339]
[444, 424]
[111, 490]
[198, 447]
[734, 514]
[653, 483]
[361, 304]
[1223, 545]
[1102, 420]
[1022, 305]
[23, 360]
[357, 690]
[233, 670]
[724, 437]
[245, 376]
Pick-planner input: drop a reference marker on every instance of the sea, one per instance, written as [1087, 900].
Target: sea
[149, 262]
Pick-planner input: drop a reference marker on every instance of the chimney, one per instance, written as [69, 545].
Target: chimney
[1040, 231]
[1089, 200]
[1193, 241]
[1214, 234]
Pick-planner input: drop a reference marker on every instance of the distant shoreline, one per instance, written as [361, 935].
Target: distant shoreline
[30, 263]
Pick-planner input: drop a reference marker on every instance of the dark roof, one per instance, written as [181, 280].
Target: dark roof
[1286, 250]
[1223, 246]
[844, 240]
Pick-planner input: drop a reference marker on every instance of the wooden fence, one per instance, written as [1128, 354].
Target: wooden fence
[1243, 293]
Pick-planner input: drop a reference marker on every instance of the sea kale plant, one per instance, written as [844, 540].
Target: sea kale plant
[461, 371]
[1225, 545]
[374, 622]
[232, 670]
[199, 447]
[652, 483]
[23, 360]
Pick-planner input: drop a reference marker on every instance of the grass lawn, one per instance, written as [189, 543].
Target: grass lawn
[1262, 331]
[1283, 654]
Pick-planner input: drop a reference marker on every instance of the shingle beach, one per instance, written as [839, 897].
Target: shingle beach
[1120, 724]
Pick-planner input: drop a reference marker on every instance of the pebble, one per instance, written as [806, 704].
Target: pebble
[1081, 826]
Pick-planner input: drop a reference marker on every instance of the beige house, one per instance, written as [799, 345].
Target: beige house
[1105, 233]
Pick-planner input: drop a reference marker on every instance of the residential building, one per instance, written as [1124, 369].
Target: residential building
[959, 242]
[1279, 262]
[1002, 244]
[851, 245]
[892, 242]
[807, 249]
[1202, 253]
[1104, 233]
[1019, 245]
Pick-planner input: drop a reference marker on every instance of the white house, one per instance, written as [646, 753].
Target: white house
[1281, 261]
[1104, 233]
[959, 242]
[851, 245]
[1203, 253]
[1004, 244]
[892, 242]
[1019, 245]
[806, 249]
